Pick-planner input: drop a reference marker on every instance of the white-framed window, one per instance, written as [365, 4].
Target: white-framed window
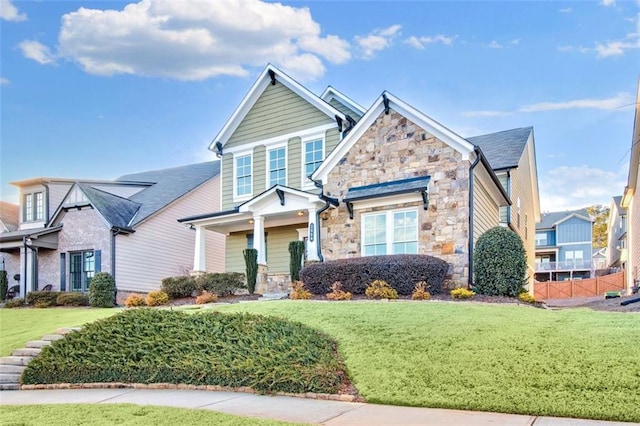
[243, 176]
[82, 267]
[390, 232]
[541, 238]
[277, 171]
[312, 156]
[33, 207]
[574, 255]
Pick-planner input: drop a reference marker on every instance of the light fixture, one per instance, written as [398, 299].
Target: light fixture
[251, 221]
[300, 213]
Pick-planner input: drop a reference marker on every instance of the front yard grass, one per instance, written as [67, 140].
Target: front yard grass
[121, 414]
[18, 326]
[571, 363]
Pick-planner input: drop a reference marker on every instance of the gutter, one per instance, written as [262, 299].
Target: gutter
[328, 202]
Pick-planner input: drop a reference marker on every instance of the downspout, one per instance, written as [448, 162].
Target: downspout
[471, 168]
[328, 202]
[24, 280]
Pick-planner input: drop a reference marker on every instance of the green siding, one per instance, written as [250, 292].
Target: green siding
[227, 181]
[277, 249]
[344, 109]
[294, 165]
[277, 111]
[331, 139]
[259, 170]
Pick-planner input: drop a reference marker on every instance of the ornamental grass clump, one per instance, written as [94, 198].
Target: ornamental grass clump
[337, 293]
[462, 293]
[299, 292]
[268, 354]
[206, 297]
[135, 300]
[157, 298]
[420, 291]
[380, 290]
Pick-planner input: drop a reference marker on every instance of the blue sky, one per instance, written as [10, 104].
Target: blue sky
[94, 89]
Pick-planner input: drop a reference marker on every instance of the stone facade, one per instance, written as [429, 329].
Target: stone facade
[394, 148]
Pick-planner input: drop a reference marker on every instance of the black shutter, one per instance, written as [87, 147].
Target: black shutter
[63, 272]
[98, 260]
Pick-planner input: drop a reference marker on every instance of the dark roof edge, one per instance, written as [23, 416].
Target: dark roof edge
[209, 215]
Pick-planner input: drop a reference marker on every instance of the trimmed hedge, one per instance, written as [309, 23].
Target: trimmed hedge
[500, 263]
[268, 354]
[177, 287]
[72, 299]
[43, 298]
[102, 291]
[401, 271]
[221, 284]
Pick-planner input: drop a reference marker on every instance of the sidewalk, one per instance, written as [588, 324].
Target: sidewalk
[330, 413]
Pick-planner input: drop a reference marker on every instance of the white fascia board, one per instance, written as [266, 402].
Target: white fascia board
[330, 93]
[531, 148]
[254, 93]
[484, 176]
[447, 136]
[588, 219]
[306, 196]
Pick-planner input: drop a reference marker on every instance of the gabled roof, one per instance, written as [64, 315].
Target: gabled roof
[552, 219]
[332, 93]
[116, 210]
[168, 185]
[8, 216]
[503, 149]
[427, 123]
[254, 93]
[617, 201]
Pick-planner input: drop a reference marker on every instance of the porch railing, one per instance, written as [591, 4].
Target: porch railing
[565, 265]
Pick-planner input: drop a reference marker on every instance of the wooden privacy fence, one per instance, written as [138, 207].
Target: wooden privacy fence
[579, 288]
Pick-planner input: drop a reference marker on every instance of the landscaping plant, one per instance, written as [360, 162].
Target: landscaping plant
[337, 293]
[135, 300]
[42, 299]
[206, 297]
[16, 302]
[251, 264]
[296, 253]
[157, 298]
[102, 291]
[462, 293]
[177, 287]
[380, 290]
[72, 298]
[4, 285]
[500, 263]
[298, 291]
[221, 284]
[420, 291]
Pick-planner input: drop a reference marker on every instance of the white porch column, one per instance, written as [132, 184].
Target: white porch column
[312, 243]
[258, 239]
[200, 254]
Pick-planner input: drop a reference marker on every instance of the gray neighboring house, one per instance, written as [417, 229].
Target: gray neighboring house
[69, 230]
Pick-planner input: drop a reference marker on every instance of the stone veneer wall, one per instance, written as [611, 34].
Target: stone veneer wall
[395, 148]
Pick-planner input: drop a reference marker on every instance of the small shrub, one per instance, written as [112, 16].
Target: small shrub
[42, 305]
[157, 298]
[135, 300]
[420, 291]
[17, 302]
[42, 298]
[206, 297]
[298, 291]
[221, 284]
[251, 265]
[102, 291]
[526, 298]
[176, 287]
[337, 293]
[500, 263]
[462, 293]
[401, 271]
[72, 298]
[296, 253]
[380, 290]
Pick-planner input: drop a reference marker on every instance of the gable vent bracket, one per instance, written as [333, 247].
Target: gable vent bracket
[385, 100]
[350, 209]
[339, 121]
[272, 75]
[280, 193]
[425, 199]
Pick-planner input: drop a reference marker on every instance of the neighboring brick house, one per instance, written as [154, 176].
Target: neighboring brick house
[617, 252]
[564, 246]
[70, 230]
[353, 182]
[631, 203]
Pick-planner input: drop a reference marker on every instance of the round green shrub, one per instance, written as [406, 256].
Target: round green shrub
[102, 291]
[500, 263]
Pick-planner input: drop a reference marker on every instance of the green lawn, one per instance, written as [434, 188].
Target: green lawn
[514, 359]
[120, 414]
[18, 326]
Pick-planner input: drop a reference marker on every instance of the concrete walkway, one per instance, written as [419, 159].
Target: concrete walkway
[331, 413]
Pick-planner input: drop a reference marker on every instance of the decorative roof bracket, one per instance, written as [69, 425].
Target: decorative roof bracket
[425, 199]
[280, 193]
[385, 100]
[350, 209]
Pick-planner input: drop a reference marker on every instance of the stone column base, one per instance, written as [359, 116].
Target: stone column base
[261, 279]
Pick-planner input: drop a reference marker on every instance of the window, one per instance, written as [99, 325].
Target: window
[243, 175]
[541, 238]
[250, 244]
[33, 207]
[392, 232]
[277, 167]
[82, 267]
[313, 156]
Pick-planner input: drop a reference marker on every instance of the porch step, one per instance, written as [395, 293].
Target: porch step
[27, 352]
[52, 337]
[9, 386]
[10, 378]
[38, 343]
[15, 360]
[274, 296]
[12, 369]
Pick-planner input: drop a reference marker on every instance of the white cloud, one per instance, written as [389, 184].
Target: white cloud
[612, 47]
[619, 101]
[485, 113]
[420, 42]
[494, 45]
[9, 12]
[37, 51]
[608, 2]
[4, 81]
[195, 40]
[515, 41]
[376, 41]
[565, 10]
[568, 188]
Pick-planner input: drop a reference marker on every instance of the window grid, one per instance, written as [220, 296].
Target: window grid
[28, 207]
[392, 232]
[39, 206]
[82, 268]
[312, 156]
[243, 175]
[277, 167]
